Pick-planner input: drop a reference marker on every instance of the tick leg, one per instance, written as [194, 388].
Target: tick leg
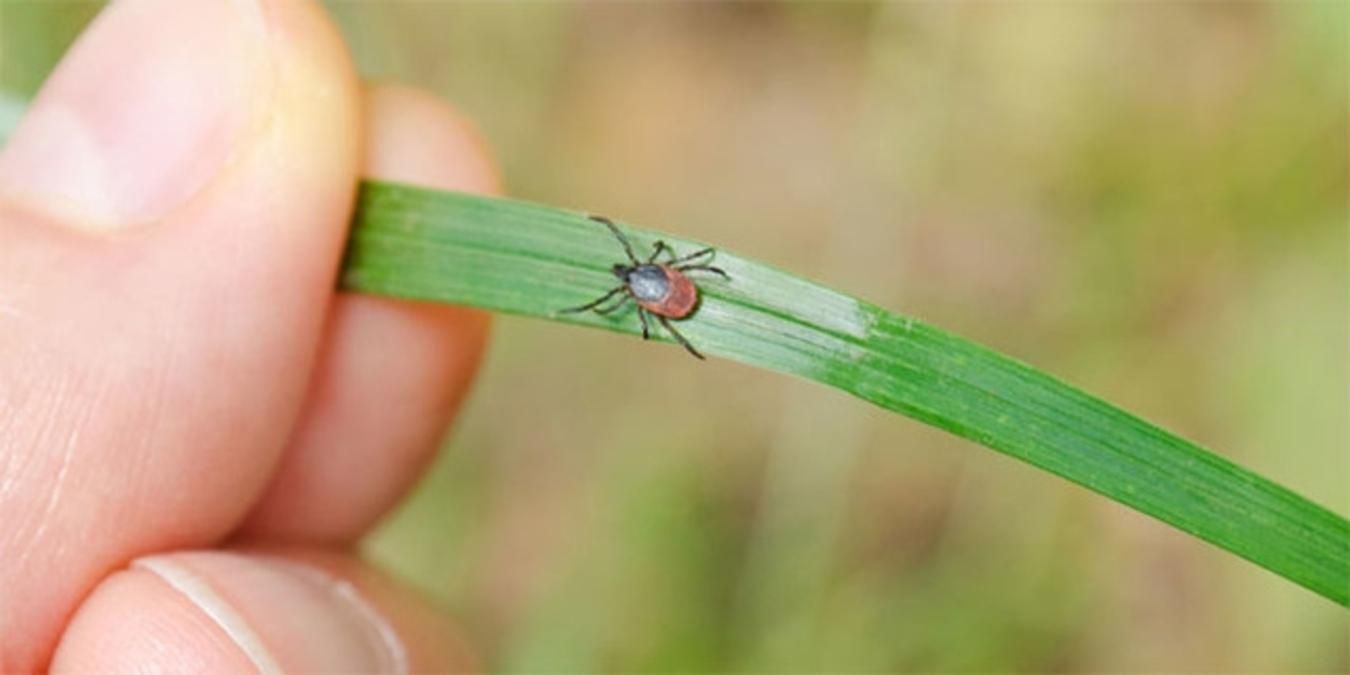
[666, 322]
[627, 247]
[704, 268]
[661, 246]
[623, 300]
[642, 314]
[595, 303]
[696, 254]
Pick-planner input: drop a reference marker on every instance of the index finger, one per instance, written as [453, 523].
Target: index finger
[392, 373]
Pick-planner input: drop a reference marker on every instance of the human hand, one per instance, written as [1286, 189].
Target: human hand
[194, 426]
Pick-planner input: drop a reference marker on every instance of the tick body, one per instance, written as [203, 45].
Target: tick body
[661, 289]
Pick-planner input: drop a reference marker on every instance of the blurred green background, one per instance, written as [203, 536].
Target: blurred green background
[1146, 199]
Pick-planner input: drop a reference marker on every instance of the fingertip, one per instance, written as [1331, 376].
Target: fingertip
[417, 138]
[393, 372]
[133, 618]
[430, 638]
[257, 612]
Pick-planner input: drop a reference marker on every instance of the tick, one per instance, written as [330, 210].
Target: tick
[659, 289]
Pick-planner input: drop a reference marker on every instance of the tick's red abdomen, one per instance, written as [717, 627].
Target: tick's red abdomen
[679, 301]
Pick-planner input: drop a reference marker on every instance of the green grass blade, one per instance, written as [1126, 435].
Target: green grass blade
[532, 260]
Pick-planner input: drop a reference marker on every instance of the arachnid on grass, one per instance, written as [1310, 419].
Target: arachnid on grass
[659, 289]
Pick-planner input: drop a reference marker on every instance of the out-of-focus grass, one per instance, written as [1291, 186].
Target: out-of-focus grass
[1147, 199]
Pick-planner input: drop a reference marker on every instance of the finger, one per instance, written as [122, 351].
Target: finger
[170, 239]
[392, 372]
[216, 612]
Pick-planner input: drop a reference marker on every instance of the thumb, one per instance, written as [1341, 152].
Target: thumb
[138, 118]
[171, 215]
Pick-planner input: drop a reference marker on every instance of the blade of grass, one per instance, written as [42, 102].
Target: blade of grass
[532, 260]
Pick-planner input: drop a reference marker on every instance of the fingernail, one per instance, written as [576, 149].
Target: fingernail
[285, 616]
[146, 108]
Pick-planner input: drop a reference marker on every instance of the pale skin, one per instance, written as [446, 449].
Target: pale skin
[193, 428]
